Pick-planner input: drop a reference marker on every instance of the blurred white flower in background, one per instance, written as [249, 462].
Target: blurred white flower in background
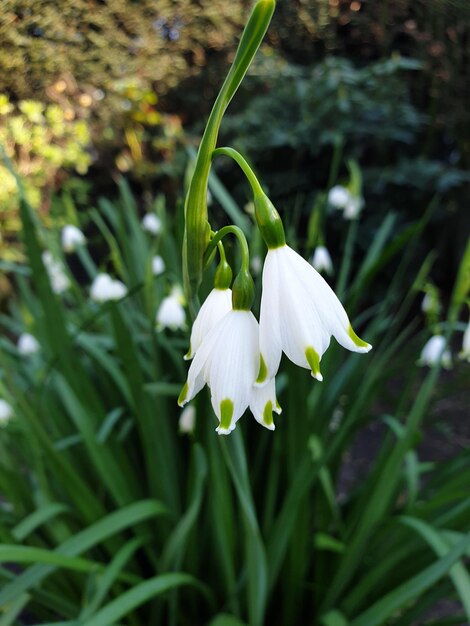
[341, 198]
[71, 238]
[104, 288]
[158, 265]
[465, 352]
[435, 351]
[353, 208]
[187, 420]
[427, 303]
[171, 313]
[256, 265]
[321, 260]
[60, 282]
[6, 412]
[27, 344]
[151, 223]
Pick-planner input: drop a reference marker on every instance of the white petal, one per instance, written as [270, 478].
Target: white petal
[27, 344]
[233, 367]
[158, 265]
[263, 402]
[72, 237]
[269, 328]
[217, 304]
[338, 197]
[321, 260]
[151, 223]
[329, 309]
[171, 314]
[6, 412]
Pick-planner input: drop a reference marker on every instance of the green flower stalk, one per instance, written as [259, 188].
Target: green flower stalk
[197, 229]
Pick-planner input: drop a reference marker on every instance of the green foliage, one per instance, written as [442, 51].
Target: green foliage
[110, 516]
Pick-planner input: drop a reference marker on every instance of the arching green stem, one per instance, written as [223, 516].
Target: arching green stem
[236, 156]
[223, 232]
[197, 228]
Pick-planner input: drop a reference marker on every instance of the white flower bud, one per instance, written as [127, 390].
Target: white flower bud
[338, 197]
[27, 344]
[187, 420]
[158, 265]
[321, 260]
[58, 278]
[171, 313]
[6, 412]
[151, 223]
[435, 351]
[71, 238]
[105, 288]
[465, 353]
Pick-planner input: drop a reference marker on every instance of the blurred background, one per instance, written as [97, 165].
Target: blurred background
[103, 89]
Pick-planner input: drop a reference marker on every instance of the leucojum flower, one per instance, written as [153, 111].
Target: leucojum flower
[230, 352]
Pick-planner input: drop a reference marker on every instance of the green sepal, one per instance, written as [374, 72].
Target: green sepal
[269, 222]
[243, 291]
[223, 275]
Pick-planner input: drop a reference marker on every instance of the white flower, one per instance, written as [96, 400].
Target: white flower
[158, 265]
[256, 265]
[171, 313]
[465, 353]
[263, 402]
[217, 304]
[105, 288]
[321, 260]
[435, 351]
[299, 314]
[353, 208]
[338, 197]
[58, 278]
[71, 238]
[6, 412]
[427, 305]
[151, 223]
[227, 361]
[27, 344]
[187, 420]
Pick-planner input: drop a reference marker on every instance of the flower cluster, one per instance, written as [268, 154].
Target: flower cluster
[237, 357]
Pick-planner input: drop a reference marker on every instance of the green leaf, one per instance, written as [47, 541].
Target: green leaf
[138, 595]
[95, 534]
[226, 620]
[458, 572]
[410, 589]
[30, 523]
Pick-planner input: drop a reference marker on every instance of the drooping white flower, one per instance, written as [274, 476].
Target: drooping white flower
[465, 352]
[187, 420]
[58, 278]
[171, 313]
[338, 197]
[6, 412]
[321, 260]
[217, 304]
[27, 344]
[435, 351]
[263, 402]
[227, 361]
[158, 265]
[427, 303]
[299, 314]
[353, 208]
[256, 265]
[104, 288]
[151, 223]
[71, 238]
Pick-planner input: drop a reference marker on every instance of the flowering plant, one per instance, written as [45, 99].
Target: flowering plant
[300, 313]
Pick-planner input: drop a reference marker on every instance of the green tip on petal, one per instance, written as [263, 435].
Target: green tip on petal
[263, 371]
[183, 394]
[362, 346]
[268, 416]
[226, 414]
[188, 356]
[313, 360]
